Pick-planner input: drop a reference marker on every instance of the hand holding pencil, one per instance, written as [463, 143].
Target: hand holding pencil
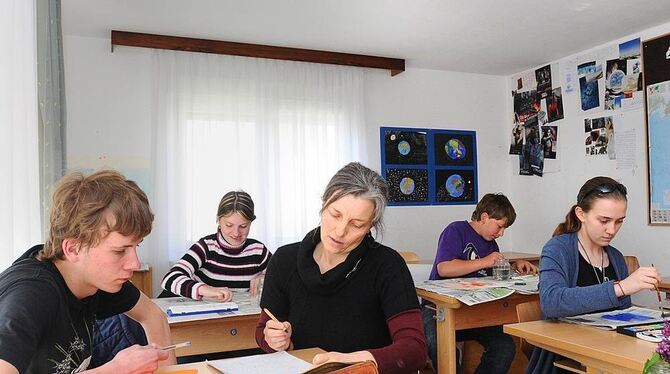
[277, 334]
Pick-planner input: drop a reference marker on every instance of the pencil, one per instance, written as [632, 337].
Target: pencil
[658, 293]
[175, 346]
[273, 317]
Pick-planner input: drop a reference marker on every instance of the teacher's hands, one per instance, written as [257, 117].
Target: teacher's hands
[278, 335]
[359, 356]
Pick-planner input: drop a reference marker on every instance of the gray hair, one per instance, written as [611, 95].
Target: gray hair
[359, 181]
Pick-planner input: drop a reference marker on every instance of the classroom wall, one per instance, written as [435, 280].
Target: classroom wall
[542, 203]
[109, 116]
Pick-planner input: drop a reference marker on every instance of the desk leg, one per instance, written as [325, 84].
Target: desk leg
[446, 342]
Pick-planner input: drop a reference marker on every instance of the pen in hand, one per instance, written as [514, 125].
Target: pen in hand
[273, 317]
[175, 346]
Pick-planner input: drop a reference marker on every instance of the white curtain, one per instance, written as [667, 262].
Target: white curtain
[19, 155]
[276, 129]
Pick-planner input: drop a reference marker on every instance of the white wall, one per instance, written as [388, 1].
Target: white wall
[441, 100]
[109, 101]
[542, 203]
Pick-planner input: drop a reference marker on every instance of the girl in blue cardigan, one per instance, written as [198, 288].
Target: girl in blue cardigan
[580, 272]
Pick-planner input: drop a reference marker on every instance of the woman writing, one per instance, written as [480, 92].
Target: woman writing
[223, 262]
[580, 272]
[340, 290]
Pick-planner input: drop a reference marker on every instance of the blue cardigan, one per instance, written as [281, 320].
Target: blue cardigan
[560, 296]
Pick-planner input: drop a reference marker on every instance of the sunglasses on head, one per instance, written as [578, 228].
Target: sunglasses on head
[604, 189]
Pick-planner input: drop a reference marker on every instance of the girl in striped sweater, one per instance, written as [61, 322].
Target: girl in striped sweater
[222, 262]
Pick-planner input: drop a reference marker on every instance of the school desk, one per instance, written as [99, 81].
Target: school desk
[597, 349]
[201, 367]
[210, 334]
[453, 315]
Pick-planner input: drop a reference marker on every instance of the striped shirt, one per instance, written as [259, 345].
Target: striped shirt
[214, 262]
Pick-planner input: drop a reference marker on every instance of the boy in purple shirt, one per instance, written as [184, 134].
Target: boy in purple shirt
[469, 249]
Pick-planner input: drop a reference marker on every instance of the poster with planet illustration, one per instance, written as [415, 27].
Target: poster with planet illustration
[453, 186]
[407, 185]
[405, 147]
[454, 149]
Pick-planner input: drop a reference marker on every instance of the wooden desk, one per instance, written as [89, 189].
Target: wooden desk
[303, 354]
[597, 349]
[458, 316]
[142, 280]
[515, 256]
[219, 333]
[224, 334]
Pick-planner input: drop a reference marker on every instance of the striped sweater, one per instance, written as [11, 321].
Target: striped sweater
[212, 261]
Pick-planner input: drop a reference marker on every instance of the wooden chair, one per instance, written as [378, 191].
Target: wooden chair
[526, 312]
[410, 257]
[531, 311]
[632, 263]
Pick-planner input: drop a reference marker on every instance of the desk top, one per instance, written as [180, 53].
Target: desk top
[589, 343]
[515, 256]
[303, 354]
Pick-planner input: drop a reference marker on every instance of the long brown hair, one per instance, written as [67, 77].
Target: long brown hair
[594, 189]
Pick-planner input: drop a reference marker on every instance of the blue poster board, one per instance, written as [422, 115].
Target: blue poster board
[429, 166]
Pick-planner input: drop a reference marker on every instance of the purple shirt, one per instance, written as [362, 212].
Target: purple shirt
[460, 241]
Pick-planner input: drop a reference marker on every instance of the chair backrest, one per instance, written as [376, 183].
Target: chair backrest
[526, 312]
[632, 263]
[410, 257]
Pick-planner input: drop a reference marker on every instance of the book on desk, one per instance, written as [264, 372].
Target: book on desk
[614, 319]
[201, 308]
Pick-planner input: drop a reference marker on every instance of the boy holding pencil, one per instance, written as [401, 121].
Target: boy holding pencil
[51, 296]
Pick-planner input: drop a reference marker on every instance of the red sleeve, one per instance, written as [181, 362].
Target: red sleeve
[409, 351]
[260, 337]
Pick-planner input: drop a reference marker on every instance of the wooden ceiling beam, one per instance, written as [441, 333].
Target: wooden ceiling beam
[178, 43]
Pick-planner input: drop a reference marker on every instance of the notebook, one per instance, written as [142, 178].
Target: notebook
[201, 308]
[613, 319]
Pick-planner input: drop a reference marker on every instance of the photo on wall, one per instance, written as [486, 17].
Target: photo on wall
[405, 147]
[407, 185]
[453, 149]
[455, 186]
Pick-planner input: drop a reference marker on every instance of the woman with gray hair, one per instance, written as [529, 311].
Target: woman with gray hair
[340, 290]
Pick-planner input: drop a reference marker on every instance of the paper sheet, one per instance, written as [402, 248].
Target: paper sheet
[278, 362]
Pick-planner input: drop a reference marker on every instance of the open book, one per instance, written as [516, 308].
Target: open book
[613, 319]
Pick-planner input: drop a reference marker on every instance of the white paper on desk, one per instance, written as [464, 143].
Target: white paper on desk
[242, 299]
[278, 362]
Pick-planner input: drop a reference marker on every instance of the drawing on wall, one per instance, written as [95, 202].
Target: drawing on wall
[599, 136]
[589, 73]
[531, 160]
[549, 141]
[417, 183]
[543, 77]
[555, 105]
[407, 185]
[516, 140]
[454, 185]
[453, 149]
[405, 147]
